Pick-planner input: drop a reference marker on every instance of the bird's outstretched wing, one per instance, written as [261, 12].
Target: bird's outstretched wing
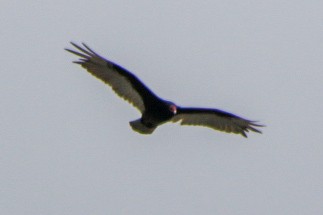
[123, 82]
[216, 119]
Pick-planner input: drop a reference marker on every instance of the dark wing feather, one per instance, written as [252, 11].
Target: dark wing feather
[216, 119]
[124, 83]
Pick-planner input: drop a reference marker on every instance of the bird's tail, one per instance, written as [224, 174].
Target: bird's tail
[137, 126]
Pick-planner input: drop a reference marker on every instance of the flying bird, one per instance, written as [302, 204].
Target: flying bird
[156, 111]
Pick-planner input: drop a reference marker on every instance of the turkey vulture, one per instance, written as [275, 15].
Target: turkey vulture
[156, 111]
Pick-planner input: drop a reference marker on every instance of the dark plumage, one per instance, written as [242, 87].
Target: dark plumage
[156, 111]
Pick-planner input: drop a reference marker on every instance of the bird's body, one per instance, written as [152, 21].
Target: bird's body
[156, 111]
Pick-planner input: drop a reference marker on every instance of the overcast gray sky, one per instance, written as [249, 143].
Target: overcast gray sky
[66, 145]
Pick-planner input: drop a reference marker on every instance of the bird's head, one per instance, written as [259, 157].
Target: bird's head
[172, 107]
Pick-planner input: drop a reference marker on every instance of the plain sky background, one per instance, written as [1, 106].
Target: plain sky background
[65, 143]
